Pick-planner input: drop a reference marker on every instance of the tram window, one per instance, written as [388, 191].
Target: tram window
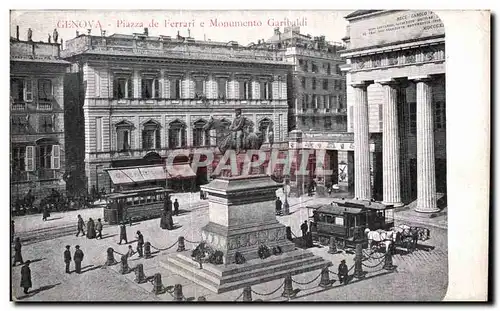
[330, 219]
[322, 218]
[130, 201]
[339, 221]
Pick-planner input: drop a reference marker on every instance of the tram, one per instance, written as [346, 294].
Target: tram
[136, 204]
[346, 220]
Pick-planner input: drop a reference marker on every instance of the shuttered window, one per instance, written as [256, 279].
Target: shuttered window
[30, 158]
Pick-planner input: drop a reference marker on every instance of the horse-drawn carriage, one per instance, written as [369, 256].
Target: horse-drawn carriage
[367, 222]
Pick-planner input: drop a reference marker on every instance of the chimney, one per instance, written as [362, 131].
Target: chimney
[146, 31]
[17, 33]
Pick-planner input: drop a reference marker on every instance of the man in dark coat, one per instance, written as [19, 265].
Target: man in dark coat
[80, 226]
[98, 227]
[343, 272]
[279, 204]
[170, 221]
[67, 258]
[90, 229]
[45, 213]
[176, 208]
[18, 257]
[140, 243]
[168, 205]
[163, 220]
[26, 277]
[304, 228]
[78, 258]
[123, 233]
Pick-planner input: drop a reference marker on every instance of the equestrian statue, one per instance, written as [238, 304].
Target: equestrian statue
[239, 136]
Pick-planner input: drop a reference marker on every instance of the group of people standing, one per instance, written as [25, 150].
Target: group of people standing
[94, 230]
[77, 257]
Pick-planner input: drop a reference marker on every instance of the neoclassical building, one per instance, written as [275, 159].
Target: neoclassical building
[397, 106]
[146, 96]
[37, 142]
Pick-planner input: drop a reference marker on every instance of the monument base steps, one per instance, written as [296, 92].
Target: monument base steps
[224, 278]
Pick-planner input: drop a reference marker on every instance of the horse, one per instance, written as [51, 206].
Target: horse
[407, 237]
[387, 238]
[250, 140]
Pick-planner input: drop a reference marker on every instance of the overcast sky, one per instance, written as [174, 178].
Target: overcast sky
[328, 23]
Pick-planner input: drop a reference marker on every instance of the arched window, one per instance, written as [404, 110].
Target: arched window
[265, 126]
[224, 129]
[151, 135]
[123, 133]
[200, 137]
[177, 134]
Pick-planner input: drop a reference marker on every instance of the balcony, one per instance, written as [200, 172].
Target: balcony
[18, 106]
[44, 105]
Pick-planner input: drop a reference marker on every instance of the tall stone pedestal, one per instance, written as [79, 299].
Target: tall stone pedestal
[242, 218]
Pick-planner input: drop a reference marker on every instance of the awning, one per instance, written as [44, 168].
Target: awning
[180, 171]
[136, 174]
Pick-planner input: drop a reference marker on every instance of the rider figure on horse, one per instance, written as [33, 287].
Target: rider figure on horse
[237, 129]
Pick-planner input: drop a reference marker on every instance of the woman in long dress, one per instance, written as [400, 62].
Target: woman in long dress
[91, 229]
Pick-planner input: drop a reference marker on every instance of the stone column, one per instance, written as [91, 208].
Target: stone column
[426, 172]
[362, 185]
[390, 146]
[406, 182]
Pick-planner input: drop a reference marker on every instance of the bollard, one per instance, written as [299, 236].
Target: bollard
[333, 246]
[157, 284]
[288, 291]
[111, 257]
[325, 278]
[124, 268]
[289, 234]
[180, 246]
[147, 250]
[388, 261]
[358, 262]
[139, 274]
[178, 296]
[247, 293]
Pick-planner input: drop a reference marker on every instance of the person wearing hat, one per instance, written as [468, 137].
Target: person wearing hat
[304, 228]
[98, 227]
[123, 233]
[18, 257]
[176, 208]
[26, 277]
[140, 243]
[67, 258]
[343, 272]
[78, 258]
[80, 226]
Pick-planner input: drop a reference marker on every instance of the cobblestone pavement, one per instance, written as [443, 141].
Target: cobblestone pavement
[421, 275]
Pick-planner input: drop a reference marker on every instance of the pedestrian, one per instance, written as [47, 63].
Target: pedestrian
[26, 277]
[140, 243]
[176, 208]
[167, 205]
[90, 229]
[304, 228]
[163, 220]
[67, 258]
[130, 252]
[343, 272]
[12, 231]
[98, 227]
[80, 226]
[78, 258]
[279, 204]
[18, 257]
[123, 233]
[45, 213]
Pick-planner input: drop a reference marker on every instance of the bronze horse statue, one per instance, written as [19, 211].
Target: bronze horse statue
[251, 140]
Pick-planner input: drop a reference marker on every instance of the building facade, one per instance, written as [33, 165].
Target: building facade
[396, 100]
[317, 102]
[37, 144]
[145, 97]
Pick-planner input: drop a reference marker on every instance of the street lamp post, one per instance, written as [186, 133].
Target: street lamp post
[286, 206]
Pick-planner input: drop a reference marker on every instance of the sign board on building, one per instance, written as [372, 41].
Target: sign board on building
[393, 26]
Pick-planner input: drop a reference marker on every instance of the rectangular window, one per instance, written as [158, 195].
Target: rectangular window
[46, 123]
[98, 133]
[313, 86]
[150, 138]
[123, 139]
[245, 90]
[19, 159]
[351, 120]
[176, 137]
[150, 88]
[122, 88]
[413, 117]
[17, 89]
[176, 88]
[222, 88]
[325, 84]
[328, 69]
[199, 88]
[303, 82]
[339, 221]
[328, 123]
[439, 115]
[265, 90]
[314, 68]
[45, 156]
